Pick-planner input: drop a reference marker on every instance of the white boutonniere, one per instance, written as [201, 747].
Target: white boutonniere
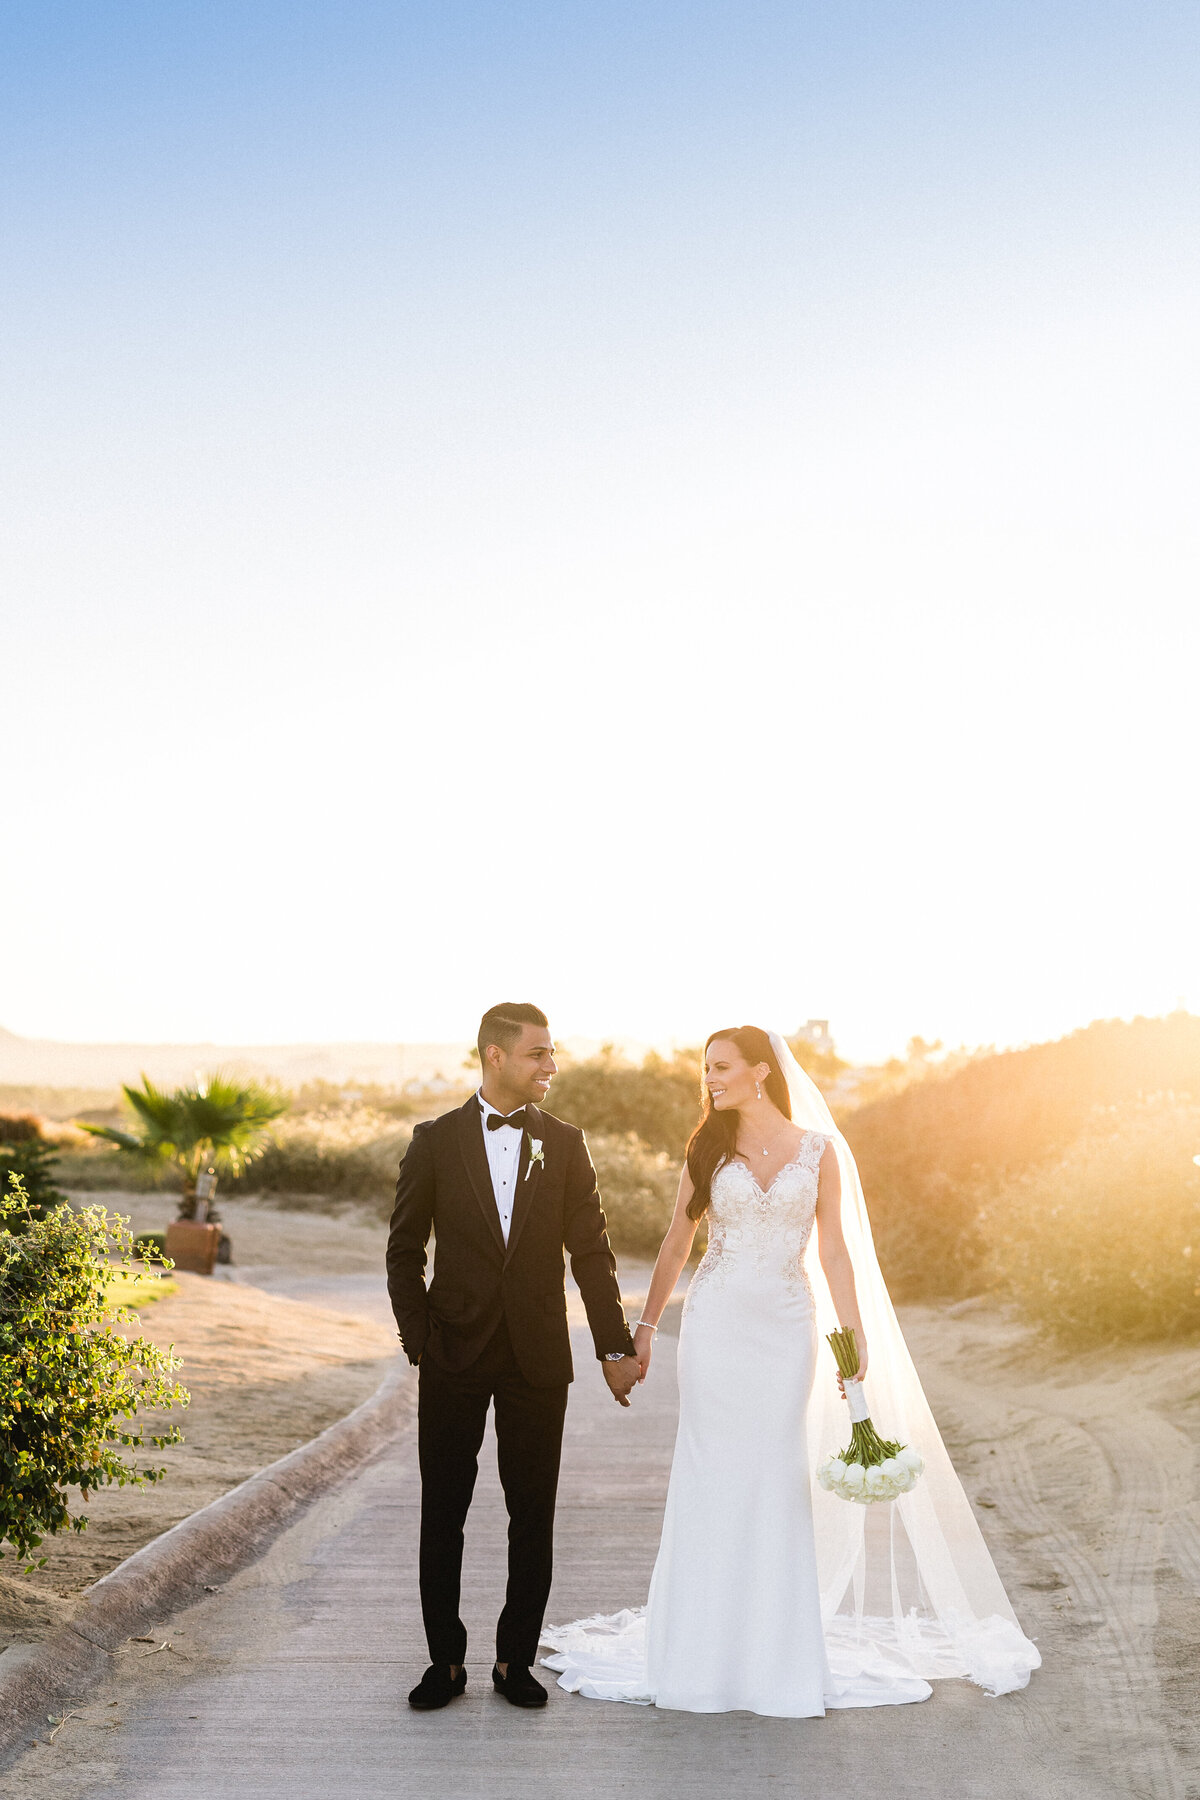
[535, 1156]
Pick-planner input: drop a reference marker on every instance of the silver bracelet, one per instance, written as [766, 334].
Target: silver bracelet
[647, 1324]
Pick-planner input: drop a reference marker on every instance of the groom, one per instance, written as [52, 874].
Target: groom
[505, 1189]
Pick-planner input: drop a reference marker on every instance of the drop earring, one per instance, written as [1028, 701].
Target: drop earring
[758, 1090]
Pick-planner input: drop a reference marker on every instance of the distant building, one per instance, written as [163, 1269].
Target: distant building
[816, 1033]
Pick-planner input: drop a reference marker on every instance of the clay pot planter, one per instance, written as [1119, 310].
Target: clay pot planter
[192, 1246]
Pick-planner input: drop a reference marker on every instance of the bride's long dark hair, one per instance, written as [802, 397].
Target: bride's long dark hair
[715, 1138]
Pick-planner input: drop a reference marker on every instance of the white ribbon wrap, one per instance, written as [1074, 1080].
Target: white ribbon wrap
[856, 1400]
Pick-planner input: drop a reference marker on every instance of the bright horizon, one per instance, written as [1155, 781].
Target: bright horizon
[575, 1045]
[682, 514]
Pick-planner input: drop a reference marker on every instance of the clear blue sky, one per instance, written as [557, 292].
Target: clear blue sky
[682, 511]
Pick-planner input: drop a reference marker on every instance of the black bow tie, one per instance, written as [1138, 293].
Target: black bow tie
[516, 1120]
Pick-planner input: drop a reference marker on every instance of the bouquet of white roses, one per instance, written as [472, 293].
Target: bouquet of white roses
[870, 1468]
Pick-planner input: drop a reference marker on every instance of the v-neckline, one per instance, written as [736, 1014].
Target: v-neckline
[782, 1170]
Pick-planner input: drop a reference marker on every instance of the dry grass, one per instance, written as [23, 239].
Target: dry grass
[345, 1153]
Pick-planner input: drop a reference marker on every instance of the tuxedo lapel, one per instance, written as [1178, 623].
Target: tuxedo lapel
[470, 1142]
[526, 1188]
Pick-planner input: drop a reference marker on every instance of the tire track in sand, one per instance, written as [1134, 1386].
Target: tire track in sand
[1111, 1582]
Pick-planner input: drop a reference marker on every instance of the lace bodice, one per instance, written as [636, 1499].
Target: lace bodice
[764, 1231]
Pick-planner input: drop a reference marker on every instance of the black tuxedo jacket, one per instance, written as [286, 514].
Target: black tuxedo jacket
[445, 1187]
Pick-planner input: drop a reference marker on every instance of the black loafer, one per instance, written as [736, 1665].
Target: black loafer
[518, 1686]
[437, 1687]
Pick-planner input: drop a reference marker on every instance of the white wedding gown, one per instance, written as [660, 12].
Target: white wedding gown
[734, 1616]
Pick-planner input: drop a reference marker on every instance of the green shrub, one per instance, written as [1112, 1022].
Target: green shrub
[934, 1153]
[659, 1098]
[356, 1156]
[102, 1171]
[660, 1101]
[823, 1066]
[25, 1153]
[343, 1155]
[637, 1186]
[67, 1378]
[1102, 1244]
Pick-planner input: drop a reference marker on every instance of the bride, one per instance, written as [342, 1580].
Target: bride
[769, 1594]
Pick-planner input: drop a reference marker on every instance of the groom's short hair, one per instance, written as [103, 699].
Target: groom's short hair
[502, 1025]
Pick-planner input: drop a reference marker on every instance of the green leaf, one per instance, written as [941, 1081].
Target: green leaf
[66, 1376]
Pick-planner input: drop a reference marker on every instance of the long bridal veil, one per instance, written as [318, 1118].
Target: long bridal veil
[907, 1588]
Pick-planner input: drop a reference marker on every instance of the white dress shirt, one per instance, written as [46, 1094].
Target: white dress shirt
[503, 1148]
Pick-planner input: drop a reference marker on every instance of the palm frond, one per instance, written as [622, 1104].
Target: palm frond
[163, 1115]
[220, 1120]
[124, 1140]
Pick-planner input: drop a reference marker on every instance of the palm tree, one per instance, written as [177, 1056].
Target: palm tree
[218, 1124]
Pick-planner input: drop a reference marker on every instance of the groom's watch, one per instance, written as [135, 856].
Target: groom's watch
[615, 1355]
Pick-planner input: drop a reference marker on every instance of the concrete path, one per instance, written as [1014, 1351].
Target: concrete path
[291, 1683]
[361, 1296]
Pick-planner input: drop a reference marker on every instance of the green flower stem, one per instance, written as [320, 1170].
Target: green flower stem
[866, 1446]
[844, 1345]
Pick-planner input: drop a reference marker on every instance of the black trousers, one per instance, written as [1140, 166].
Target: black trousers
[452, 1412]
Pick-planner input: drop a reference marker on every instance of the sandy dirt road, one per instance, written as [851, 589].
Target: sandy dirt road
[1084, 1475]
[291, 1682]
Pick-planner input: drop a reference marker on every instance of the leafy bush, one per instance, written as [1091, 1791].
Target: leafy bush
[932, 1155]
[67, 1377]
[823, 1066]
[101, 1171]
[1103, 1242]
[660, 1101]
[346, 1154]
[25, 1153]
[355, 1155]
[637, 1186]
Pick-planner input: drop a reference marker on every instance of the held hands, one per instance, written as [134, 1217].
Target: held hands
[643, 1346]
[622, 1377]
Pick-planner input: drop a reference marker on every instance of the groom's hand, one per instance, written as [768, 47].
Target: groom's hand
[621, 1377]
